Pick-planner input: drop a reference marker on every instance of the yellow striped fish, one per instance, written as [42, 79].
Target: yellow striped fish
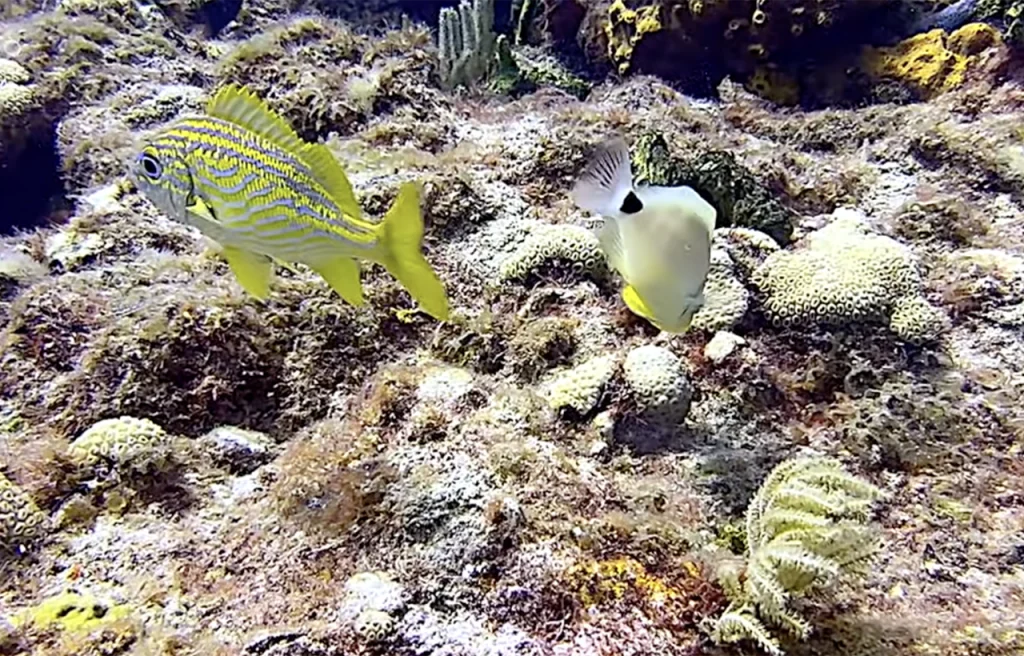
[244, 178]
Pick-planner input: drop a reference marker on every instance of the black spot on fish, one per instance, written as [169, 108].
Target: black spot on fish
[631, 204]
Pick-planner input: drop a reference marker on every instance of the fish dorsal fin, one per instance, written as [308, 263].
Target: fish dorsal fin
[606, 181]
[243, 108]
[331, 176]
[240, 106]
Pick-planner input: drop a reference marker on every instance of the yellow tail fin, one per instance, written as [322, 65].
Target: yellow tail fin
[401, 240]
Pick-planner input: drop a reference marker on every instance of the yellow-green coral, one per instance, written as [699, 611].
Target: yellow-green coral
[598, 581]
[933, 62]
[625, 28]
[847, 274]
[574, 244]
[126, 443]
[12, 71]
[580, 388]
[15, 99]
[805, 525]
[725, 298]
[659, 385]
[71, 612]
[21, 520]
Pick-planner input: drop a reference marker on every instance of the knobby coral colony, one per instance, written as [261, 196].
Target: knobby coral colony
[538, 469]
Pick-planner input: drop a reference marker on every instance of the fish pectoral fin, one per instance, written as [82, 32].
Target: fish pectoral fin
[200, 208]
[252, 270]
[610, 239]
[635, 303]
[342, 274]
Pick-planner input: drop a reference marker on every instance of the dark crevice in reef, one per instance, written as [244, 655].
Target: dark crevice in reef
[30, 182]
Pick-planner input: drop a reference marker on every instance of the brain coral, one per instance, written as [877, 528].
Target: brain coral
[12, 71]
[573, 244]
[580, 388]
[725, 297]
[126, 443]
[21, 521]
[659, 384]
[846, 274]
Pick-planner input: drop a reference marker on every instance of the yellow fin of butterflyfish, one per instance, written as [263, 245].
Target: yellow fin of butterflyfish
[243, 108]
[252, 270]
[635, 303]
[342, 274]
[401, 243]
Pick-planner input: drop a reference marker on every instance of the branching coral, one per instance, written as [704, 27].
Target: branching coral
[847, 274]
[805, 525]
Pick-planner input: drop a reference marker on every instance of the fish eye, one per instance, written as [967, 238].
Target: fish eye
[151, 166]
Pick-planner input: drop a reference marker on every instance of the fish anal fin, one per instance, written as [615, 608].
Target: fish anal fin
[342, 274]
[331, 176]
[252, 270]
[240, 106]
[635, 303]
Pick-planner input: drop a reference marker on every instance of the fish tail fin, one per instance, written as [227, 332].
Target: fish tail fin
[606, 184]
[401, 239]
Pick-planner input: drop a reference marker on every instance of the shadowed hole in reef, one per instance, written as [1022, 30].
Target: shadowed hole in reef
[31, 187]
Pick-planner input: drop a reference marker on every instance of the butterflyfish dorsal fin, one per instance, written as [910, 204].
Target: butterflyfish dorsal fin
[240, 106]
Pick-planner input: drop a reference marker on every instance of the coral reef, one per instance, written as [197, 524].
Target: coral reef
[544, 472]
[466, 42]
[846, 274]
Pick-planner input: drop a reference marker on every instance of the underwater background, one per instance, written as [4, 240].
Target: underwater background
[826, 461]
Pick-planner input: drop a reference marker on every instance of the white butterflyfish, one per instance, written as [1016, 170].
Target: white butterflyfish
[657, 238]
